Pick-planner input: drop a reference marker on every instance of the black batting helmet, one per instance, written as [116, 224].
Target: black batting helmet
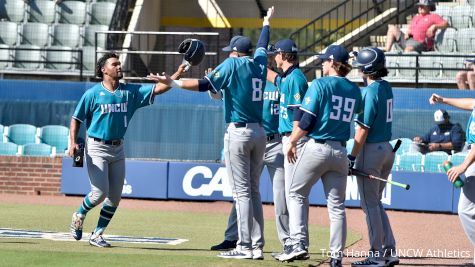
[370, 60]
[193, 51]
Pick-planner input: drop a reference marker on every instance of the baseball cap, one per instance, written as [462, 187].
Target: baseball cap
[470, 60]
[428, 3]
[440, 115]
[286, 46]
[238, 43]
[336, 52]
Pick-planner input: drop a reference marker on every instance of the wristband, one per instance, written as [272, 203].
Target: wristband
[176, 83]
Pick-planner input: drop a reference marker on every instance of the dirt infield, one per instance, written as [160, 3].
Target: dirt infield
[425, 239]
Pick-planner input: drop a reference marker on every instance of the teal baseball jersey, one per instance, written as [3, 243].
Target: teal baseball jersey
[378, 111]
[470, 135]
[243, 80]
[292, 87]
[108, 113]
[333, 101]
[270, 112]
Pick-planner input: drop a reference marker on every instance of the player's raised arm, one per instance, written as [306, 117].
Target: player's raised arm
[264, 37]
[161, 88]
[461, 103]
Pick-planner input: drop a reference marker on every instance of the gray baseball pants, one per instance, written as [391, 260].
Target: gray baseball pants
[244, 149]
[329, 162]
[106, 168]
[466, 206]
[376, 159]
[274, 160]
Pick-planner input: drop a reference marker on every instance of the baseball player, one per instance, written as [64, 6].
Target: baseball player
[373, 154]
[292, 85]
[328, 108]
[466, 206]
[242, 79]
[273, 159]
[107, 109]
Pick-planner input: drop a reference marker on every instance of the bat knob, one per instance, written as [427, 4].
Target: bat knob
[407, 187]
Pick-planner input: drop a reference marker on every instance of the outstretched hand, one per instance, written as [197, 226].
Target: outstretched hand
[435, 98]
[267, 18]
[164, 78]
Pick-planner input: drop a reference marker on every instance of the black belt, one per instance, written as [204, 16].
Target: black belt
[242, 124]
[286, 134]
[271, 137]
[108, 142]
[321, 141]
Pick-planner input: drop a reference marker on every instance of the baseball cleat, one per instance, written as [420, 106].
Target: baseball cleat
[369, 262]
[225, 245]
[391, 261]
[335, 263]
[236, 254]
[76, 225]
[98, 241]
[257, 254]
[296, 252]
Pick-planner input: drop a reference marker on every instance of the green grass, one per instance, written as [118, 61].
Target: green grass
[201, 229]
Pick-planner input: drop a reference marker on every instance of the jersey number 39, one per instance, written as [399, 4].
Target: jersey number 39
[342, 108]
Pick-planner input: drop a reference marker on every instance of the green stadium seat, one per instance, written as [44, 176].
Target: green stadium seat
[433, 161]
[8, 149]
[65, 56]
[72, 12]
[35, 33]
[42, 150]
[411, 161]
[12, 10]
[66, 35]
[56, 136]
[102, 12]
[31, 53]
[89, 35]
[9, 33]
[43, 11]
[21, 134]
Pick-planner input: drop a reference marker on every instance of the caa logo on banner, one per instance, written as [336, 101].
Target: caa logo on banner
[218, 182]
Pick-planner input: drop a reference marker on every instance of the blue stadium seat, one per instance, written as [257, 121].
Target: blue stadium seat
[21, 134]
[72, 12]
[411, 161]
[12, 10]
[433, 161]
[43, 11]
[9, 33]
[42, 150]
[8, 149]
[56, 136]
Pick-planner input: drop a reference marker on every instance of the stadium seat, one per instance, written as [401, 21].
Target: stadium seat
[42, 11]
[461, 17]
[466, 40]
[411, 161]
[56, 136]
[12, 10]
[471, 3]
[392, 63]
[445, 40]
[9, 33]
[21, 134]
[408, 62]
[54, 58]
[430, 60]
[433, 161]
[455, 63]
[8, 149]
[445, 12]
[4, 55]
[89, 35]
[66, 35]
[89, 57]
[349, 145]
[31, 53]
[2, 129]
[72, 12]
[42, 150]
[102, 12]
[35, 33]
[458, 158]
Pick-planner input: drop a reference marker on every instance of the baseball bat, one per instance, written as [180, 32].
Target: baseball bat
[361, 173]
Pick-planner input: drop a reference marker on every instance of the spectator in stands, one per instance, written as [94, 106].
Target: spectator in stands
[466, 78]
[444, 136]
[420, 34]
